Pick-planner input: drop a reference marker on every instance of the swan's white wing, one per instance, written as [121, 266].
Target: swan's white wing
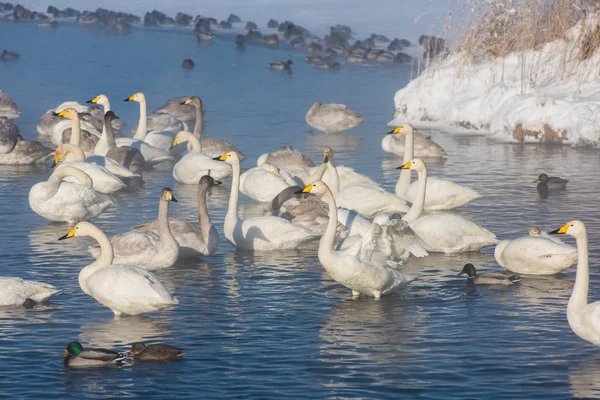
[111, 165]
[535, 255]
[103, 180]
[194, 166]
[443, 194]
[160, 139]
[370, 200]
[14, 291]
[261, 185]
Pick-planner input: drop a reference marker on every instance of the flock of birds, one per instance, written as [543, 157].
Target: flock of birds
[366, 232]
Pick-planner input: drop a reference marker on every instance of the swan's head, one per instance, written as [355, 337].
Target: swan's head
[138, 97]
[535, 231]
[181, 137]
[318, 187]
[137, 348]
[404, 129]
[230, 157]
[470, 270]
[327, 154]
[69, 113]
[573, 228]
[82, 228]
[167, 195]
[208, 180]
[416, 164]
[542, 178]
[109, 116]
[59, 153]
[267, 166]
[73, 349]
[100, 99]
[194, 101]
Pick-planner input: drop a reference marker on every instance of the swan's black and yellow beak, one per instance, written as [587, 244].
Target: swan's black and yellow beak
[187, 102]
[395, 130]
[56, 160]
[405, 166]
[130, 98]
[221, 158]
[66, 352]
[175, 142]
[560, 231]
[217, 182]
[306, 189]
[70, 234]
[60, 114]
[93, 101]
[173, 199]
[326, 157]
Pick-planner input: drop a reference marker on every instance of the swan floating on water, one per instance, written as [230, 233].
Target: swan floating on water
[14, 150]
[332, 118]
[423, 146]
[125, 289]
[21, 292]
[195, 164]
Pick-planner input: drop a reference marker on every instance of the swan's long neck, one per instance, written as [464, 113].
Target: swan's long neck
[334, 177]
[203, 216]
[75, 151]
[409, 153]
[328, 239]
[164, 231]
[579, 298]
[106, 106]
[110, 137]
[232, 216]
[193, 140]
[105, 259]
[417, 207]
[199, 126]
[317, 175]
[76, 131]
[141, 130]
[78, 174]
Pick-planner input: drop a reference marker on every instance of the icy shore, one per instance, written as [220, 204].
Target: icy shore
[549, 95]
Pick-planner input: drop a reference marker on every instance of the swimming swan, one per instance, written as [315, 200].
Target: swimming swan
[161, 140]
[125, 289]
[535, 255]
[126, 156]
[265, 182]
[87, 142]
[20, 292]
[195, 164]
[61, 201]
[193, 240]
[584, 317]
[443, 232]
[17, 151]
[332, 118]
[288, 158]
[103, 180]
[361, 276]
[442, 194]
[422, 145]
[146, 249]
[259, 233]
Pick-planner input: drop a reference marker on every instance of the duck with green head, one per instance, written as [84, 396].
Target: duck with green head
[77, 357]
[488, 278]
[550, 183]
[155, 352]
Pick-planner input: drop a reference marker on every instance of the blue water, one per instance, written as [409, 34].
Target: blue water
[275, 325]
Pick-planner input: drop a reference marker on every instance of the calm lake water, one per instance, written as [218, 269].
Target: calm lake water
[275, 325]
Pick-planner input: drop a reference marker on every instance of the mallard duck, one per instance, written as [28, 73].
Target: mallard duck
[488, 278]
[281, 65]
[155, 352]
[550, 183]
[77, 357]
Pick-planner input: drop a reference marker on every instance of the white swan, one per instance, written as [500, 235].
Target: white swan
[125, 289]
[103, 180]
[370, 200]
[20, 292]
[332, 118]
[85, 140]
[209, 144]
[193, 240]
[423, 146]
[195, 164]
[265, 182]
[288, 158]
[535, 255]
[58, 201]
[102, 145]
[584, 317]
[161, 140]
[260, 233]
[146, 249]
[362, 277]
[442, 194]
[443, 232]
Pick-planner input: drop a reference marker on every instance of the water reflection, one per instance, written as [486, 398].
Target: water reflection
[337, 141]
[584, 379]
[124, 331]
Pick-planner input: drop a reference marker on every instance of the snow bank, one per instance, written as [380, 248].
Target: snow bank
[547, 95]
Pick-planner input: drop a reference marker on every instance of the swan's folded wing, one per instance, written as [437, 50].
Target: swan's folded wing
[134, 242]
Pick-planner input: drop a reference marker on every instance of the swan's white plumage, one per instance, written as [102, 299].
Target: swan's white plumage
[14, 291]
[370, 200]
[443, 194]
[265, 182]
[535, 255]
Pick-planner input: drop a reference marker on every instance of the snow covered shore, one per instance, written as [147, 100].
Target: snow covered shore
[549, 95]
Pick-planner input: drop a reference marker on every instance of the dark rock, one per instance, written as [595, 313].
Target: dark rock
[202, 25]
[156, 18]
[385, 57]
[233, 19]
[51, 10]
[251, 26]
[36, 16]
[298, 43]
[9, 56]
[254, 35]
[398, 45]
[285, 26]
[71, 13]
[212, 21]
[88, 18]
[22, 13]
[188, 64]
[402, 58]
[224, 25]
[379, 38]
[272, 24]
[271, 40]
[182, 19]
[314, 48]
[6, 7]
[373, 53]
[240, 40]
[341, 31]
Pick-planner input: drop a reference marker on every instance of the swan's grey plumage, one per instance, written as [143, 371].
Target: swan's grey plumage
[8, 107]
[128, 156]
[331, 118]
[286, 157]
